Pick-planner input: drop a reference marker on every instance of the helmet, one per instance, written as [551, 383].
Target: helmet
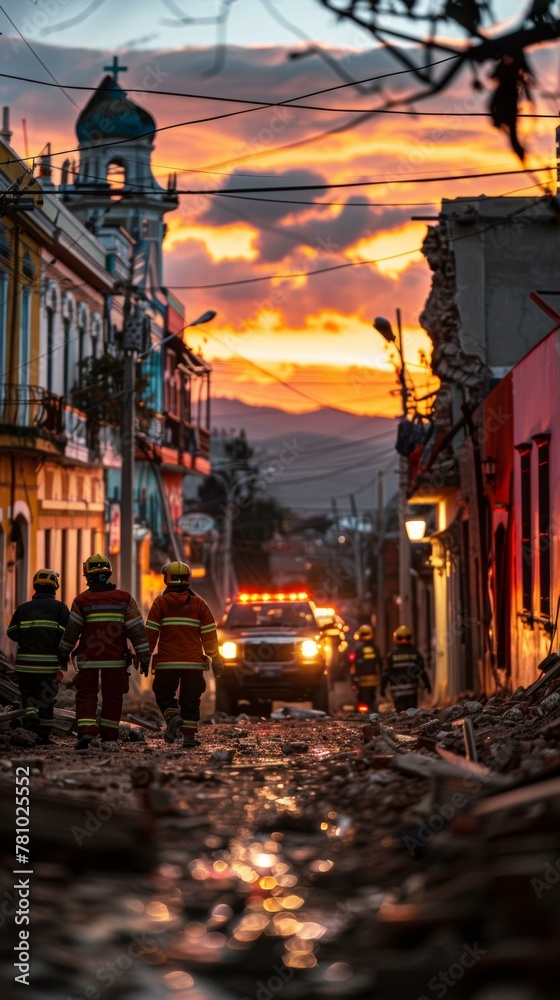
[46, 578]
[402, 634]
[365, 632]
[176, 573]
[97, 565]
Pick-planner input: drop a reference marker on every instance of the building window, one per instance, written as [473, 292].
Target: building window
[4, 242]
[24, 353]
[66, 358]
[543, 456]
[81, 353]
[526, 540]
[27, 266]
[50, 349]
[3, 311]
[48, 547]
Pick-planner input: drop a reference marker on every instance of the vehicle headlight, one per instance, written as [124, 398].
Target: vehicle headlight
[309, 648]
[228, 650]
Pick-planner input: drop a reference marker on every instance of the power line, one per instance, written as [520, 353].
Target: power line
[220, 97]
[40, 61]
[257, 106]
[220, 192]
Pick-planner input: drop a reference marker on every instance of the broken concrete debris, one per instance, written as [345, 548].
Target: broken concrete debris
[379, 861]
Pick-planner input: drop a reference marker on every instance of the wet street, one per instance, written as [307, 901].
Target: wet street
[264, 867]
[296, 858]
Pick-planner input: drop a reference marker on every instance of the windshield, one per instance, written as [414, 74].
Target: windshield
[275, 613]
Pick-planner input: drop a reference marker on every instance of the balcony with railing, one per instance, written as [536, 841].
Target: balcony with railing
[31, 414]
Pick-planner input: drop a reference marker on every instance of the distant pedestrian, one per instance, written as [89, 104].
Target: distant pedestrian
[37, 627]
[102, 620]
[405, 668]
[182, 627]
[368, 666]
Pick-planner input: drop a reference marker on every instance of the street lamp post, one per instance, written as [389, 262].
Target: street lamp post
[383, 326]
[227, 576]
[128, 436]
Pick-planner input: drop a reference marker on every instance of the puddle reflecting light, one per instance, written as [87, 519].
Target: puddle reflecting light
[287, 881]
[273, 905]
[321, 866]
[195, 929]
[292, 902]
[178, 980]
[158, 911]
[268, 882]
[300, 960]
[338, 972]
[264, 860]
[311, 931]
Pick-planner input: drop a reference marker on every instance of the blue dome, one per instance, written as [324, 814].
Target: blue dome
[109, 114]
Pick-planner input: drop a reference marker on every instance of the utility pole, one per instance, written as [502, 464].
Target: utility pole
[358, 562]
[383, 327]
[404, 543]
[380, 629]
[127, 472]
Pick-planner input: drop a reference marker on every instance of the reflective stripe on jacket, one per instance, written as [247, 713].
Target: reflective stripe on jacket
[37, 627]
[102, 618]
[182, 627]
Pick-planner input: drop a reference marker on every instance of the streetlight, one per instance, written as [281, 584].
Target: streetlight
[415, 528]
[205, 318]
[128, 440]
[383, 326]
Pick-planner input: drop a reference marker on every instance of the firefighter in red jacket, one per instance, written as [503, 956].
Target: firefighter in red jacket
[182, 627]
[405, 668]
[37, 627]
[368, 665]
[102, 620]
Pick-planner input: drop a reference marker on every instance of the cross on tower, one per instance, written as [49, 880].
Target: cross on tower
[115, 69]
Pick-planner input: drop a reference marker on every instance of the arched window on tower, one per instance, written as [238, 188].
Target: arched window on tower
[116, 177]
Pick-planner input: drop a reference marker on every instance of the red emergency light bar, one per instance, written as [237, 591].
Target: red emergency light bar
[244, 598]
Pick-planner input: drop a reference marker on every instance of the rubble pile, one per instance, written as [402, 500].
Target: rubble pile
[313, 856]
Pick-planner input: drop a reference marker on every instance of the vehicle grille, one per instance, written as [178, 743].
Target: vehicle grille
[269, 652]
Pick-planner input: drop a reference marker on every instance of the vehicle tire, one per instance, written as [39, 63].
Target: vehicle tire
[264, 707]
[225, 700]
[320, 697]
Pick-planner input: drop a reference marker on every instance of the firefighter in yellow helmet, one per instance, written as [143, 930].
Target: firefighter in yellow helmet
[405, 668]
[182, 627]
[37, 627]
[368, 665]
[102, 620]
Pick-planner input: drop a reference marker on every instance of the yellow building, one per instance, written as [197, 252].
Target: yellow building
[54, 294]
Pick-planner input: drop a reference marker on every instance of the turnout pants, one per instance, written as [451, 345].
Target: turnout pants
[404, 701]
[38, 695]
[179, 692]
[367, 694]
[114, 684]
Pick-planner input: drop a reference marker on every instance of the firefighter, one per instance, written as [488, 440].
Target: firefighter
[182, 627]
[405, 667]
[368, 665]
[37, 627]
[102, 619]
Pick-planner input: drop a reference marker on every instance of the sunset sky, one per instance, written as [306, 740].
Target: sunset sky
[311, 330]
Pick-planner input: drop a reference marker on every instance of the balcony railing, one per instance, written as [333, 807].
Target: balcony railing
[186, 437]
[31, 408]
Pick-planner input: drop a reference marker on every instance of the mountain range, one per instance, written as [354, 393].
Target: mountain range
[308, 459]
